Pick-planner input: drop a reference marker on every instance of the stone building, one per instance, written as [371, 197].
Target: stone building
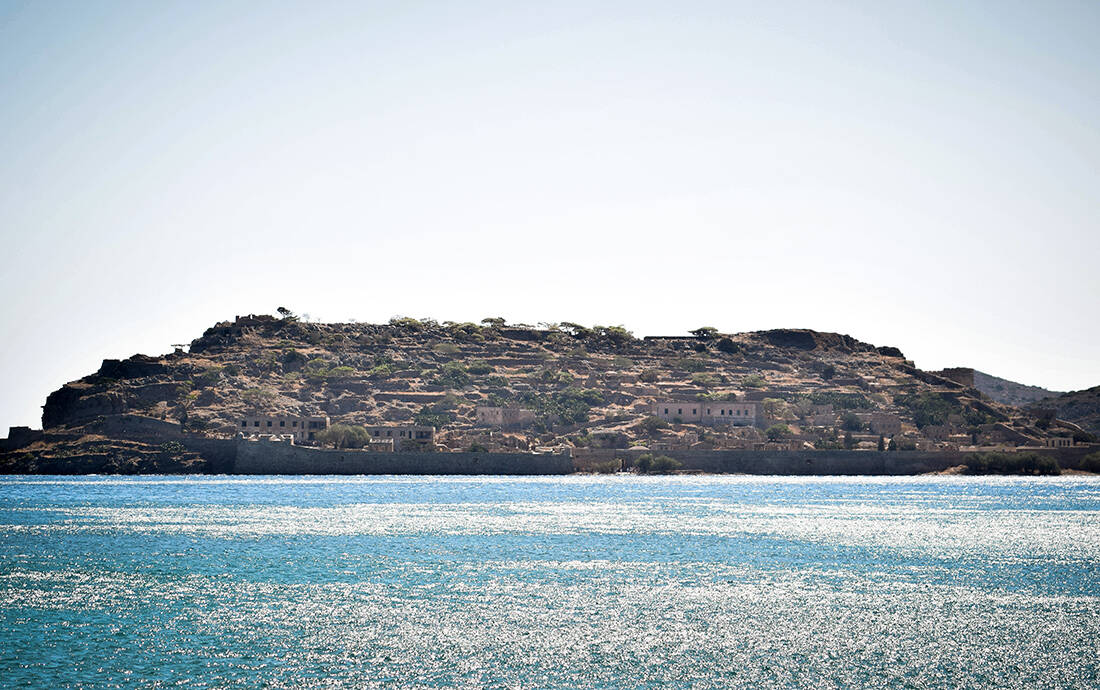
[303, 429]
[708, 412]
[504, 417]
[885, 423]
[402, 437]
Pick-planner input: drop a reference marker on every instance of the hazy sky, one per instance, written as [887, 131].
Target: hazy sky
[917, 174]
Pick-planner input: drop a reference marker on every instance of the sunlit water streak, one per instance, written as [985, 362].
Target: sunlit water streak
[549, 582]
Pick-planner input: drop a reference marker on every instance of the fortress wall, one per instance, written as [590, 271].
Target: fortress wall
[220, 453]
[265, 457]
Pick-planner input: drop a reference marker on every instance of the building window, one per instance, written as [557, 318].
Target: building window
[256, 423]
[269, 422]
[708, 410]
[693, 410]
[722, 412]
[282, 422]
[680, 411]
[244, 423]
[376, 433]
[666, 410]
[294, 424]
[389, 433]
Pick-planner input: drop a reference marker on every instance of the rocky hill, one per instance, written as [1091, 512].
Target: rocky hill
[587, 387]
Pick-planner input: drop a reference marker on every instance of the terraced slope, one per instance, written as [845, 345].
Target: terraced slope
[588, 386]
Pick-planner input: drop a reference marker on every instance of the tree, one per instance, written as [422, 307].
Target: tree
[881, 443]
[774, 407]
[344, 436]
[705, 332]
[652, 425]
[286, 314]
[777, 432]
[851, 422]
[893, 445]
[849, 442]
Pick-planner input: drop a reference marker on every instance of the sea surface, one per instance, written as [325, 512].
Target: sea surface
[564, 582]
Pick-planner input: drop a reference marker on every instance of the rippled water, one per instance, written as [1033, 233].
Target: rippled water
[593, 582]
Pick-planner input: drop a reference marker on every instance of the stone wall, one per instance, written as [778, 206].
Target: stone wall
[265, 457]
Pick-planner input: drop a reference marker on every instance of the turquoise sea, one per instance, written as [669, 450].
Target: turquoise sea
[564, 582]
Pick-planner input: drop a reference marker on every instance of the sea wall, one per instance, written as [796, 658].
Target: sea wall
[794, 462]
[819, 462]
[273, 457]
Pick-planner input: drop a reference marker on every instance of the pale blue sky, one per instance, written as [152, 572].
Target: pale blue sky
[916, 174]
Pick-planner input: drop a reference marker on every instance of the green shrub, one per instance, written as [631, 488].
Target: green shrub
[607, 466]
[620, 362]
[652, 425]
[257, 396]
[381, 371]
[753, 381]
[650, 376]
[446, 349]
[407, 324]
[209, 377]
[689, 364]
[479, 367]
[1012, 463]
[704, 379]
[341, 372]
[662, 464]
[448, 402]
[431, 417]
[1091, 462]
[316, 370]
[453, 375]
[728, 346]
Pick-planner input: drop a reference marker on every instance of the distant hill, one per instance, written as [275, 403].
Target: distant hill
[1080, 407]
[1009, 392]
[1001, 390]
